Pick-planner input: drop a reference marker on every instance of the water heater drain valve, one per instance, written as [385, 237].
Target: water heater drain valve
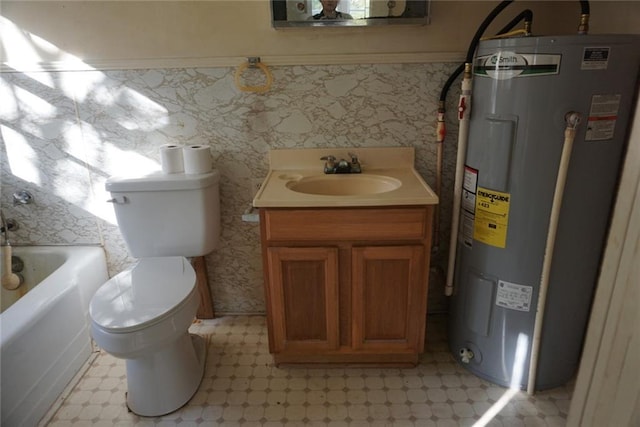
[466, 355]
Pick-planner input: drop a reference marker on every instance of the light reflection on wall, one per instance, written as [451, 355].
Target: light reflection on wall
[32, 126]
[25, 50]
[22, 158]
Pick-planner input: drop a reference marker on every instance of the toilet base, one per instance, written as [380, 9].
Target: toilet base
[166, 380]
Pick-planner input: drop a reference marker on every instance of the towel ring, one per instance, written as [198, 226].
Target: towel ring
[254, 63]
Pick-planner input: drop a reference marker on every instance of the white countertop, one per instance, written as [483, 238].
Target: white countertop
[289, 165]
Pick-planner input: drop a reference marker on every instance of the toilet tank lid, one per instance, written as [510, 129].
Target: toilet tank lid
[158, 181]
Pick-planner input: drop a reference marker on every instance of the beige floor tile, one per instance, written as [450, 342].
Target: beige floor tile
[241, 387]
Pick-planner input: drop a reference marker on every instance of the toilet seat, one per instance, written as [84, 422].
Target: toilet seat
[145, 294]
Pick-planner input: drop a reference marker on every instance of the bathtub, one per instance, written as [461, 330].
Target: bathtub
[44, 335]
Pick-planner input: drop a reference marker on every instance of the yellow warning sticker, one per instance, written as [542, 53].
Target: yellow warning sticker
[492, 217]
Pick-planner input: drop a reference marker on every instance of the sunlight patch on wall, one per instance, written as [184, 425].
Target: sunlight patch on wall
[22, 158]
[47, 123]
[36, 115]
[127, 162]
[111, 160]
[128, 108]
[25, 50]
[9, 105]
[154, 117]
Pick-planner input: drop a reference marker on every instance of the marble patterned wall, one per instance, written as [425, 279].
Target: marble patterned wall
[64, 133]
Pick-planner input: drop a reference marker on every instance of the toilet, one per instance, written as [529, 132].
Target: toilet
[143, 314]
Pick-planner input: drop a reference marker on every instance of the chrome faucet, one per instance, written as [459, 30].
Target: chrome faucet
[22, 197]
[342, 166]
[355, 164]
[330, 164]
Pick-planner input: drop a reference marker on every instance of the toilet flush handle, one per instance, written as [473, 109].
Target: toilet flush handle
[119, 200]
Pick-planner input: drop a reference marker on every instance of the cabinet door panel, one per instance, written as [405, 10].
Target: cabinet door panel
[387, 297]
[304, 288]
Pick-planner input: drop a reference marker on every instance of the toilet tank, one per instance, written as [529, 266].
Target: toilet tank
[167, 214]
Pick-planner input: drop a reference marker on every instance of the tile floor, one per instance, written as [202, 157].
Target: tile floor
[241, 387]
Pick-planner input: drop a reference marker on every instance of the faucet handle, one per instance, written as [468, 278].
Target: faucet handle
[355, 163]
[22, 197]
[330, 165]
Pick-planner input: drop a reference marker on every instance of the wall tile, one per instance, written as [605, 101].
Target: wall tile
[79, 128]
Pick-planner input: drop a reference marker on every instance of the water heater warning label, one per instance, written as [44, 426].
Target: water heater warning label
[595, 58]
[514, 296]
[491, 217]
[603, 116]
[469, 189]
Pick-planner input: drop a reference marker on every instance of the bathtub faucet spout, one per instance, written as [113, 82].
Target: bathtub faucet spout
[6, 226]
[9, 280]
[4, 229]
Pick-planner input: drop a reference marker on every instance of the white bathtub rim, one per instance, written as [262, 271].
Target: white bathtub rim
[19, 315]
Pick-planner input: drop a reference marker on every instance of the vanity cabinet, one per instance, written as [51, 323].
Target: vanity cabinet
[346, 285]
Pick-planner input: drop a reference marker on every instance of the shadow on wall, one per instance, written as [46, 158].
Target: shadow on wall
[64, 132]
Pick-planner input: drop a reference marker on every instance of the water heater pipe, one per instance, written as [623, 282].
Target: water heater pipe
[583, 28]
[441, 132]
[572, 120]
[464, 110]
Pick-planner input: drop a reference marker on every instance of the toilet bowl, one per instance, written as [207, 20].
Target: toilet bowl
[142, 315]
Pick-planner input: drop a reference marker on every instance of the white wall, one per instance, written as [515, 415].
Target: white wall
[102, 33]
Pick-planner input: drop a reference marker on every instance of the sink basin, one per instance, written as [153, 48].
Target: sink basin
[389, 178]
[344, 185]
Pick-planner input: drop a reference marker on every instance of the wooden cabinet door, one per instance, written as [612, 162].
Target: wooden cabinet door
[303, 284]
[389, 297]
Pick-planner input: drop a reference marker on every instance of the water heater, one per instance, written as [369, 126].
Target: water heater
[522, 90]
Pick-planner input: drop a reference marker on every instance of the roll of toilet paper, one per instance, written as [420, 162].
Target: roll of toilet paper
[197, 159]
[171, 158]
